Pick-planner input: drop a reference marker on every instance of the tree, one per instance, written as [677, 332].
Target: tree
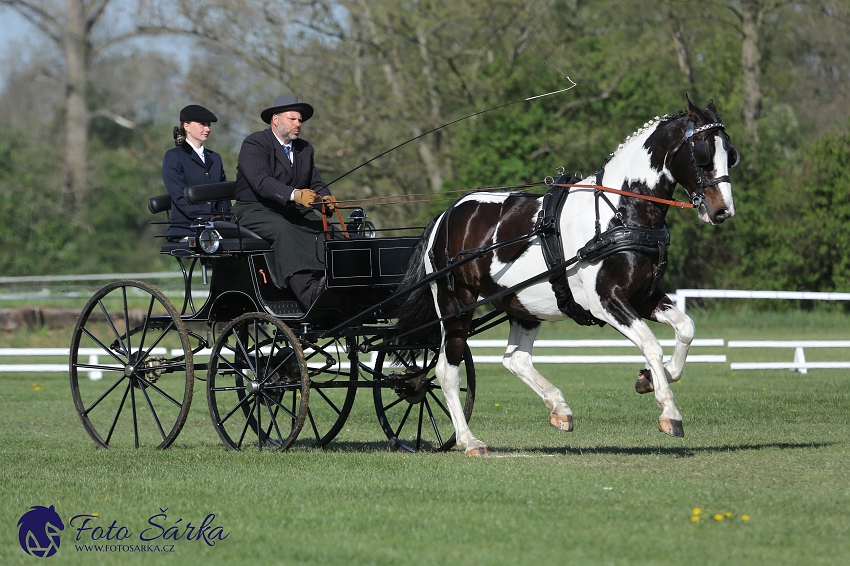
[72, 30]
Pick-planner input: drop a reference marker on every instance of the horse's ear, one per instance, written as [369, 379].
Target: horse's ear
[693, 111]
[710, 107]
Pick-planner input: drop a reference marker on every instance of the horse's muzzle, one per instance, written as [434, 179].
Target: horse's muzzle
[722, 214]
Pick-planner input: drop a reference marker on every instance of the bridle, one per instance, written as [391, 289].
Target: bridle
[701, 158]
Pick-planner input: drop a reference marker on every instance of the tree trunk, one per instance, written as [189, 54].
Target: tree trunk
[751, 18]
[76, 48]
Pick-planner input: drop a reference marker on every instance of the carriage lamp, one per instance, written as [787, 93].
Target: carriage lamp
[209, 240]
[358, 224]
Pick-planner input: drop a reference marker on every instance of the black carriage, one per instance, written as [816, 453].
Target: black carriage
[275, 375]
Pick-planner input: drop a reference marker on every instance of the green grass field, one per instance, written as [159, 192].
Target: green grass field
[768, 452]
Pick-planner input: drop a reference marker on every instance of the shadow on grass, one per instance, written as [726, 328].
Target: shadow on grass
[677, 452]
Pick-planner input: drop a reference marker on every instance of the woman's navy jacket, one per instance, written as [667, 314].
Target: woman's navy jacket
[182, 168]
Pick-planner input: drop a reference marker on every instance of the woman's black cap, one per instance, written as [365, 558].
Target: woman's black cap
[196, 113]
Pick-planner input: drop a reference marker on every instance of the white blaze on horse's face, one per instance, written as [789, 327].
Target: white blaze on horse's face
[718, 204]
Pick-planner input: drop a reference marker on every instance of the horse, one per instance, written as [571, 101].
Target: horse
[618, 286]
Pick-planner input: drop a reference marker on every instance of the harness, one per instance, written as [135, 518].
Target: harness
[604, 244]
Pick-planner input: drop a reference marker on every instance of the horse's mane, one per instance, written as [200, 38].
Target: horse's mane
[654, 122]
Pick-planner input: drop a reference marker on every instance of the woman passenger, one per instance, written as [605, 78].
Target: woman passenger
[188, 164]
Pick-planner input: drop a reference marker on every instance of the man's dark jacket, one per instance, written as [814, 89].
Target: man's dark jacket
[181, 168]
[265, 174]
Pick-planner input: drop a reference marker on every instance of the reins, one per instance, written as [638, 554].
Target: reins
[387, 200]
[669, 202]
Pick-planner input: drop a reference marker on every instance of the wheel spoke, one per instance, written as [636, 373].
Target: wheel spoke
[118, 412]
[393, 404]
[433, 422]
[273, 417]
[419, 427]
[239, 405]
[104, 346]
[114, 330]
[153, 412]
[327, 400]
[259, 420]
[245, 428]
[135, 418]
[403, 420]
[105, 393]
[127, 323]
[145, 325]
[439, 403]
[161, 392]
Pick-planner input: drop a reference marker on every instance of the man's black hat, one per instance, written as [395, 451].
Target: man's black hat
[196, 113]
[284, 103]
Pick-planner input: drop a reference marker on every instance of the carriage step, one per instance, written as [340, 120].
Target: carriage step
[285, 308]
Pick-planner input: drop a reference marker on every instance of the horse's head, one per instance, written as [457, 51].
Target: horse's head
[701, 160]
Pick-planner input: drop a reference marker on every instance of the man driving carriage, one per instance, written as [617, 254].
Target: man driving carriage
[278, 190]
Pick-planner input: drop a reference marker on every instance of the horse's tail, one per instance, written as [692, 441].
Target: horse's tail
[417, 309]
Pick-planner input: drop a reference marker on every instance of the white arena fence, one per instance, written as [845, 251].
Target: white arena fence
[95, 356]
[680, 297]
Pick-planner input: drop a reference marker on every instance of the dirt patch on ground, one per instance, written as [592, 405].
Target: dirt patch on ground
[34, 318]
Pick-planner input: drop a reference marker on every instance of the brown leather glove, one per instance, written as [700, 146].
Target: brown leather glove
[330, 204]
[305, 197]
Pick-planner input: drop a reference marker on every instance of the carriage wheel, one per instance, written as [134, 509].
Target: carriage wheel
[257, 384]
[332, 394]
[130, 378]
[410, 404]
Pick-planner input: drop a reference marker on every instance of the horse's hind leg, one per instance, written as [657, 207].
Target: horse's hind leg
[448, 375]
[517, 360]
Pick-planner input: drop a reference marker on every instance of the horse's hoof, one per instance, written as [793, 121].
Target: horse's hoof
[562, 422]
[477, 452]
[671, 427]
[644, 382]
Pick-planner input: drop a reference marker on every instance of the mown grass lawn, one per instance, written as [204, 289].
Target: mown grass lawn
[771, 446]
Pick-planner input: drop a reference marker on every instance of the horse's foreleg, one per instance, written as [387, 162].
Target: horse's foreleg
[517, 360]
[667, 313]
[670, 421]
[448, 375]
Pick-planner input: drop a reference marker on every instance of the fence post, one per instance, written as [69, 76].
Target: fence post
[94, 374]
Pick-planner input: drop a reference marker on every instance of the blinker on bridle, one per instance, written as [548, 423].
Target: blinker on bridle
[701, 157]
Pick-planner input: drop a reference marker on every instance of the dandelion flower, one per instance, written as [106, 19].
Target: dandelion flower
[745, 517]
[695, 519]
[96, 514]
[696, 511]
[497, 405]
[728, 514]
[718, 517]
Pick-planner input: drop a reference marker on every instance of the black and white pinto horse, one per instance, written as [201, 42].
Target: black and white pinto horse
[691, 149]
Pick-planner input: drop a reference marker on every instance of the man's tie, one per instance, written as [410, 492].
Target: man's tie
[288, 153]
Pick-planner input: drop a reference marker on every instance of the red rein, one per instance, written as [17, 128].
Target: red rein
[670, 202]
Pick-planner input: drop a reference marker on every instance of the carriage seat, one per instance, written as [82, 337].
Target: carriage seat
[234, 238]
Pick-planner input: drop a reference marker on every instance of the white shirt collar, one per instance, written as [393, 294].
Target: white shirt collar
[198, 150]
